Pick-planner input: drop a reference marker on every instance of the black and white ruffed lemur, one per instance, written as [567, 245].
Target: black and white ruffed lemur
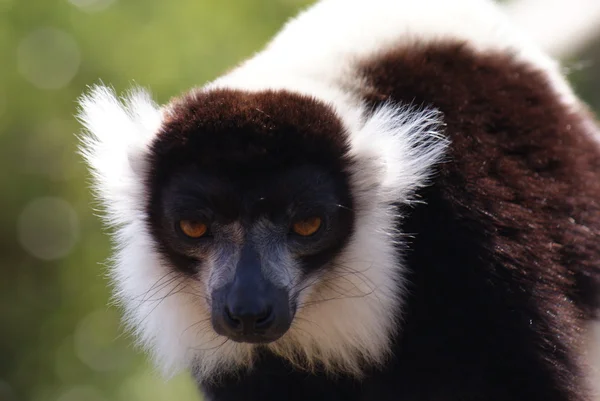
[394, 200]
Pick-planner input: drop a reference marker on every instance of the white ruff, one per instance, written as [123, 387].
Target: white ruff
[345, 320]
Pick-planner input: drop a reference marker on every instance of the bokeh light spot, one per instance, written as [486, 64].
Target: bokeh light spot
[6, 392]
[48, 228]
[91, 5]
[47, 154]
[48, 58]
[5, 5]
[147, 385]
[81, 393]
[95, 342]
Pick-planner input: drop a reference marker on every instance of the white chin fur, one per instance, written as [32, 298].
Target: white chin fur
[395, 149]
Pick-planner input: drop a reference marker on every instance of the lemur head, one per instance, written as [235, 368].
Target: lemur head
[257, 219]
[249, 195]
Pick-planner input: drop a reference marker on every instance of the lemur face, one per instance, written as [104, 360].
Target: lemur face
[254, 240]
[254, 220]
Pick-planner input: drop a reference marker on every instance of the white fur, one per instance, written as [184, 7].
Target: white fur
[343, 320]
[117, 137]
[316, 53]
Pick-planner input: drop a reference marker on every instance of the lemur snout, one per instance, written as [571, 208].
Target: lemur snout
[244, 319]
[250, 309]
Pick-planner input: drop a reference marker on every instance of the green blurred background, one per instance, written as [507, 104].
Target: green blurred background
[59, 338]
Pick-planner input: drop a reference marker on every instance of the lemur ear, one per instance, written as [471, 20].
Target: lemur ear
[396, 151]
[114, 144]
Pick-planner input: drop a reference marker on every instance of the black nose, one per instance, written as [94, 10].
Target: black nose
[250, 308]
[249, 319]
[251, 314]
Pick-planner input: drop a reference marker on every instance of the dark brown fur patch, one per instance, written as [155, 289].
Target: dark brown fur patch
[527, 172]
[233, 129]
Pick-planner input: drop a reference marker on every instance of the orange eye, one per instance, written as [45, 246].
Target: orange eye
[307, 226]
[193, 229]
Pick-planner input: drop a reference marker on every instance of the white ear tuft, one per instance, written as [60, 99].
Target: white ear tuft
[401, 144]
[114, 143]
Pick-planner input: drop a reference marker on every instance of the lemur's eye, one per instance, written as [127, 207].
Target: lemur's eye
[193, 229]
[308, 226]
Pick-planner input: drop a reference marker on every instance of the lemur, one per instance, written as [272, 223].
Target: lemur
[393, 200]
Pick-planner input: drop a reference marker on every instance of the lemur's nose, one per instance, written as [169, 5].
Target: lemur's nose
[249, 318]
[251, 308]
